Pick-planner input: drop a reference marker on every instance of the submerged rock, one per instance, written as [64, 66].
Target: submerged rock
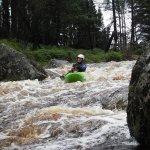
[15, 66]
[138, 110]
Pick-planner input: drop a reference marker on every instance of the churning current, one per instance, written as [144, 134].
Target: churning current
[54, 115]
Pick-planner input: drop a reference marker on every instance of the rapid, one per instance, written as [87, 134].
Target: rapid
[53, 115]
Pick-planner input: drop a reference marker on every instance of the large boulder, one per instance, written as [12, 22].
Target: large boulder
[138, 110]
[15, 66]
[54, 63]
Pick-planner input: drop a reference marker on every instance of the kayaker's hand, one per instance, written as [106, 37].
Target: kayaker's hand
[75, 70]
[62, 77]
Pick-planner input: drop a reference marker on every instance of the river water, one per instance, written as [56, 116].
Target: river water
[53, 115]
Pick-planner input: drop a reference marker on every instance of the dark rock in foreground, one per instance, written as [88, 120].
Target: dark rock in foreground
[115, 147]
[138, 110]
[15, 66]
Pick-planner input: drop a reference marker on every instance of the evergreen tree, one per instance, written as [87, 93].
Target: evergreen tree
[1, 31]
[88, 25]
[143, 18]
[5, 18]
[121, 8]
[119, 35]
[56, 22]
[14, 17]
[140, 29]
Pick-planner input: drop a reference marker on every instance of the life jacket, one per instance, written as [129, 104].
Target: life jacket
[79, 67]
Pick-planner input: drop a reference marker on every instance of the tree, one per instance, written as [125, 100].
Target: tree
[14, 20]
[122, 36]
[114, 34]
[5, 18]
[115, 24]
[143, 18]
[119, 33]
[69, 23]
[89, 24]
[140, 16]
[132, 24]
[1, 33]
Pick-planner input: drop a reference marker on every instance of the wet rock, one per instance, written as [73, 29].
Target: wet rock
[54, 63]
[55, 132]
[52, 74]
[15, 66]
[5, 142]
[115, 98]
[114, 147]
[139, 101]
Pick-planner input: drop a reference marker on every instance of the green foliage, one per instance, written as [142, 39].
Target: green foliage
[115, 56]
[141, 17]
[44, 55]
[11, 43]
[121, 105]
[52, 22]
[139, 51]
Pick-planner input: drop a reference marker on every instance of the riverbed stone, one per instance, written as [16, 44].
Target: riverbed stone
[15, 66]
[54, 63]
[138, 110]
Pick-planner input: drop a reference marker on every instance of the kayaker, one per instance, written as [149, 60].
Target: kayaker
[79, 66]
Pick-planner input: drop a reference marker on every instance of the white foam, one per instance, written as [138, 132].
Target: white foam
[76, 103]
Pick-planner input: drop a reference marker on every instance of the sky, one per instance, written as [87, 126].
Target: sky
[107, 15]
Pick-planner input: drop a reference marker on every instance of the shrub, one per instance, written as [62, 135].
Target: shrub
[139, 51]
[44, 55]
[115, 56]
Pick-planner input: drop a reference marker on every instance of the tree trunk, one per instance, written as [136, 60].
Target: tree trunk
[132, 26]
[57, 21]
[6, 17]
[109, 42]
[115, 24]
[89, 28]
[124, 30]
[1, 22]
[120, 27]
[14, 17]
[35, 33]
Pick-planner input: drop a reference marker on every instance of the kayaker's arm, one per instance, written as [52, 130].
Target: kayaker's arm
[72, 70]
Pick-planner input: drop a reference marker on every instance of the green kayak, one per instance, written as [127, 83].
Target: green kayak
[74, 77]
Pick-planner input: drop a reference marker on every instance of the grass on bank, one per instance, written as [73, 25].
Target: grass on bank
[46, 53]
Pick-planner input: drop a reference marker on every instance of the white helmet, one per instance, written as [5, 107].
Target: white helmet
[81, 56]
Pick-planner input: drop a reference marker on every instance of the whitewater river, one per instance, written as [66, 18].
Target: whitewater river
[53, 115]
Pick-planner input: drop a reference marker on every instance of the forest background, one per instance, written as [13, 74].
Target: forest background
[61, 29]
